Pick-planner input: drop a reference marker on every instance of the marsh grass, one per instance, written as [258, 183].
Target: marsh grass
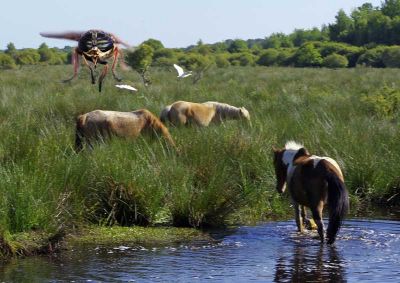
[221, 173]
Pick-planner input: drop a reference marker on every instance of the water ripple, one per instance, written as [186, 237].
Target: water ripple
[268, 252]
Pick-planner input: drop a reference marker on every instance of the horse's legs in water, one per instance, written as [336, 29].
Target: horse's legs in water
[306, 221]
[298, 213]
[317, 216]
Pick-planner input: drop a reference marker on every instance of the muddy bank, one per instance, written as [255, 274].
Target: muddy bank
[36, 243]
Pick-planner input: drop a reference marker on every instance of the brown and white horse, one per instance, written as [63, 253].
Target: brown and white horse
[313, 181]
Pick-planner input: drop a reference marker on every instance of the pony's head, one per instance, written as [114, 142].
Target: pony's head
[283, 162]
[244, 113]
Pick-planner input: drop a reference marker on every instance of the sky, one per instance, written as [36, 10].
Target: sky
[176, 23]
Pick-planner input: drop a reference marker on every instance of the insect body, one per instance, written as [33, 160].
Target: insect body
[95, 46]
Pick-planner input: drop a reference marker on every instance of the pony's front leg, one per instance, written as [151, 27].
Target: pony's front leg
[310, 225]
[299, 220]
[317, 216]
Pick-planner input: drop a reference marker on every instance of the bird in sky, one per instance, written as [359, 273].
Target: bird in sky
[181, 72]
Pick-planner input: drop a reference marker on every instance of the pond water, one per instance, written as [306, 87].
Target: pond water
[366, 250]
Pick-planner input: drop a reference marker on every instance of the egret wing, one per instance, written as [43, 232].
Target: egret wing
[179, 70]
[128, 87]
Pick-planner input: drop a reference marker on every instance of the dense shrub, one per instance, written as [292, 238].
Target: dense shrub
[242, 59]
[221, 60]
[7, 62]
[384, 103]
[391, 57]
[268, 58]
[372, 57]
[335, 61]
[308, 56]
[27, 57]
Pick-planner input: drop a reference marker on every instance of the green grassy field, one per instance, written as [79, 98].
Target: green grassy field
[223, 173]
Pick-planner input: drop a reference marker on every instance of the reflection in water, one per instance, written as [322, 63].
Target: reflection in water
[265, 253]
[310, 264]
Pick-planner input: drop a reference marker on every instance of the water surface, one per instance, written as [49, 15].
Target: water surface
[271, 252]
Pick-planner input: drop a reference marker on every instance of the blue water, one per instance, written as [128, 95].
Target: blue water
[365, 251]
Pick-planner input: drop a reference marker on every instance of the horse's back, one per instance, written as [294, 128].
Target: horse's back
[124, 124]
[184, 112]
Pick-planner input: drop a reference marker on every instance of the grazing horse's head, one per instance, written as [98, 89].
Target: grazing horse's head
[283, 162]
[244, 113]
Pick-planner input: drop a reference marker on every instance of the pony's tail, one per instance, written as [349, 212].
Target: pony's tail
[338, 203]
[79, 133]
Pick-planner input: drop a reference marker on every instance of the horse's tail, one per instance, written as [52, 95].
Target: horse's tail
[158, 127]
[338, 203]
[79, 135]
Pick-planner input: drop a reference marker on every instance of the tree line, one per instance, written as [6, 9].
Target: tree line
[368, 36]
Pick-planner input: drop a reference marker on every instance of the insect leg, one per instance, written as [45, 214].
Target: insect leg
[75, 62]
[102, 76]
[91, 70]
[114, 64]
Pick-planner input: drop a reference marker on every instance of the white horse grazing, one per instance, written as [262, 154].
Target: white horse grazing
[202, 114]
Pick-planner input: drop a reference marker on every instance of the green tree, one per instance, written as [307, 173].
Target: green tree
[154, 43]
[277, 40]
[219, 47]
[391, 8]
[140, 60]
[341, 29]
[301, 36]
[165, 57]
[360, 17]
[11, 50]
[45, 53]
[335, 61]
[237, 46]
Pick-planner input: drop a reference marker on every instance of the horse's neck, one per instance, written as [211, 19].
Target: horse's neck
[287, 159]
[227, 111]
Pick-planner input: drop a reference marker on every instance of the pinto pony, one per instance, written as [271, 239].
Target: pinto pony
[100, 125]
[313, 181]
[202, 114]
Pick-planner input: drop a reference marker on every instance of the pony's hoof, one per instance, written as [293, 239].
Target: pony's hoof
[310, 224]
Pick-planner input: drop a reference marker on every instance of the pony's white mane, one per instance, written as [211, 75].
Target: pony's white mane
[292, 145]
